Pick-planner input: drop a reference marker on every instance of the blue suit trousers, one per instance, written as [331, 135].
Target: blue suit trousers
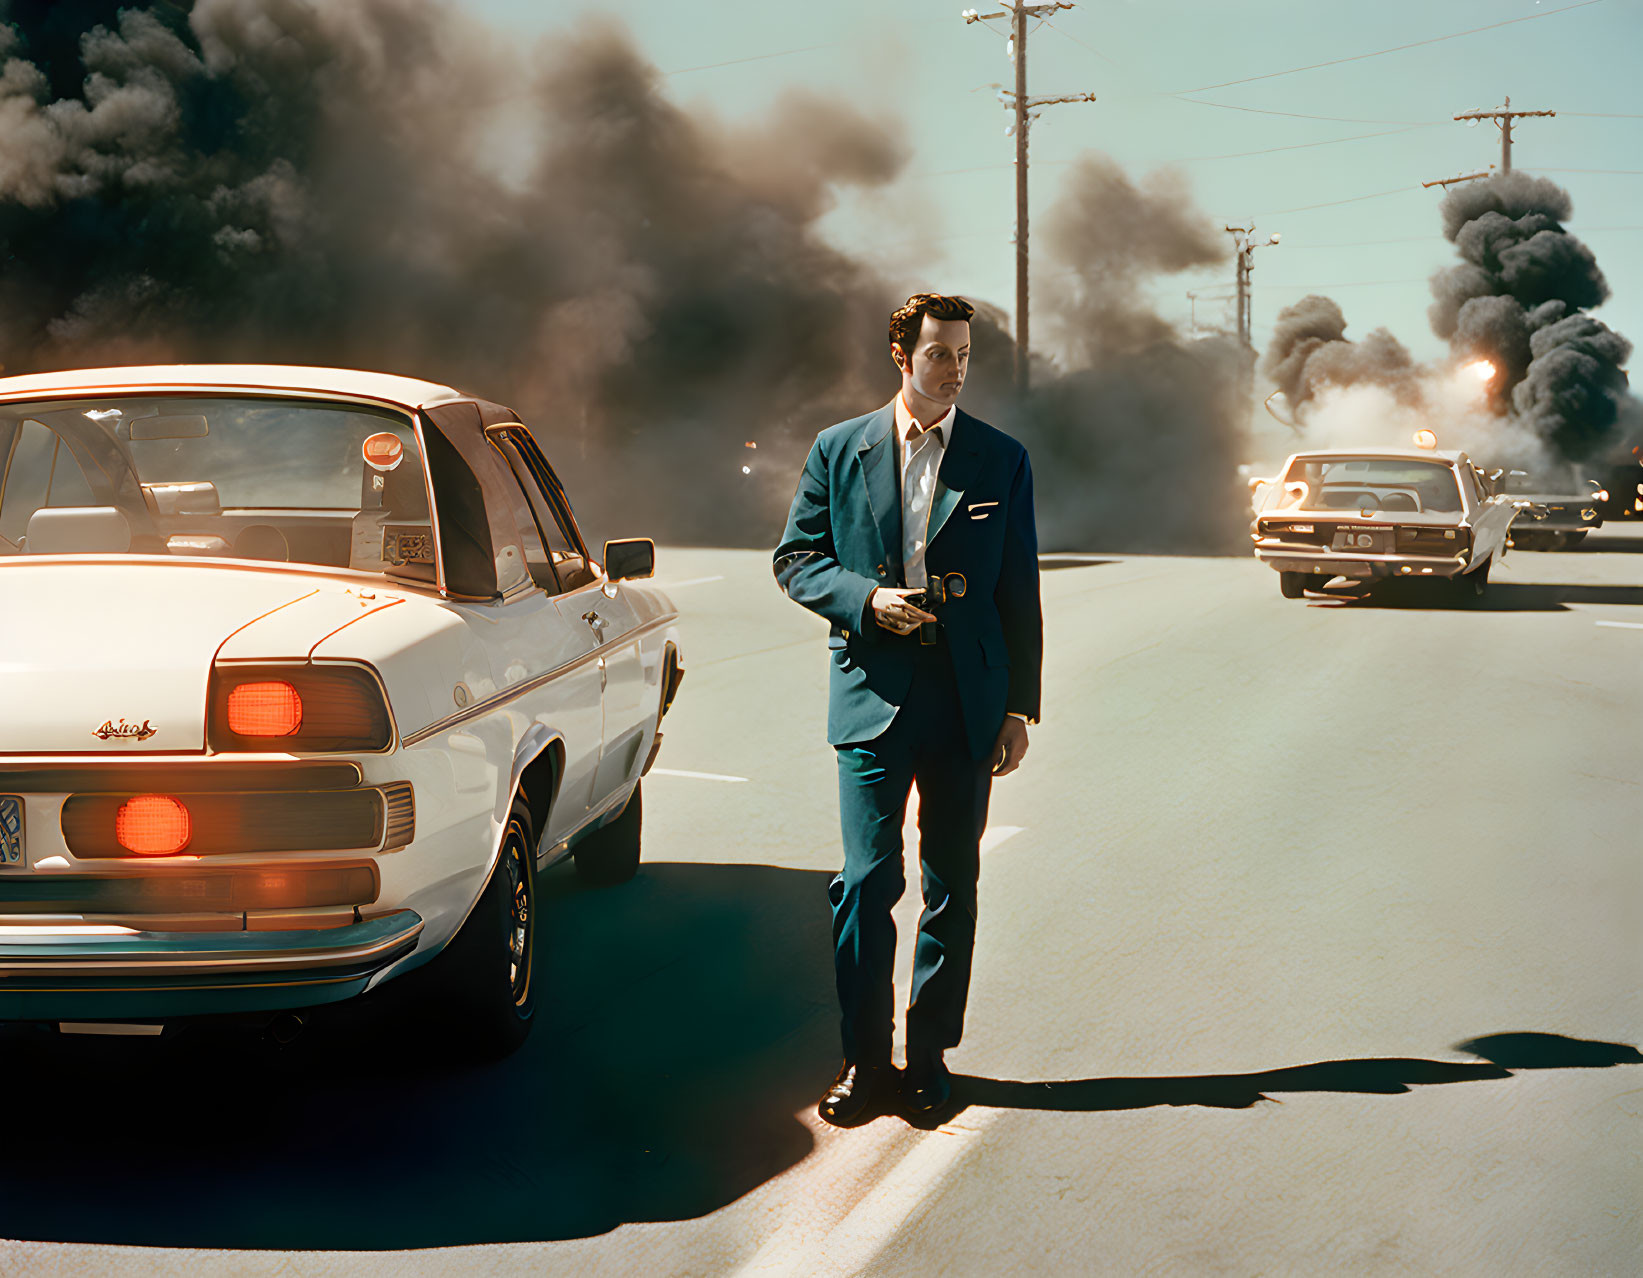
[926, 743]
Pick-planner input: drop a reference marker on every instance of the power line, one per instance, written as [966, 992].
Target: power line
[1066, 35]
[1604, 115]
[759, 57]
[1629, 172]
[1336, 244]
[1330, 204]
[1300, 146]
[1418, 279]
[1299, 115]
[1398, 48]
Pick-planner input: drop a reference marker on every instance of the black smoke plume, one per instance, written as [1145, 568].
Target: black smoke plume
[1309, 350]
[1518, 298]
[384, 184]
[1138, 440]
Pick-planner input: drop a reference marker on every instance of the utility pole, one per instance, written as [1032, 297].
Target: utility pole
[1026, 111]
[1503, 117]
[1244, 246]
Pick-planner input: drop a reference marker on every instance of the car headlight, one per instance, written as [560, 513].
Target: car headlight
[318, 708]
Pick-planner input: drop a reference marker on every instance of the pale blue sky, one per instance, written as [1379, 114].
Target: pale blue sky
[916, 62]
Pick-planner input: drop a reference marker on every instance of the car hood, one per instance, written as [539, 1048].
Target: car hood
[114, 658]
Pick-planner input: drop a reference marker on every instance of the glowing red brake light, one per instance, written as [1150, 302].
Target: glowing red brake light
[266, 708]
[153, 825]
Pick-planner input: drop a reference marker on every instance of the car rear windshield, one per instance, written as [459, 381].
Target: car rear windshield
[253, 477]
[1371, 483]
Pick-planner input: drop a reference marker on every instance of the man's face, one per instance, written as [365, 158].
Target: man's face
[940, 358]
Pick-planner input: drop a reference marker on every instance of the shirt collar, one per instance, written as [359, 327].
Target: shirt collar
[943, 426]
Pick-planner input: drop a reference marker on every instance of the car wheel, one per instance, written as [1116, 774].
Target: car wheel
[1316, 582]
[484, 979]
[1532, 540]
[610, 854]
[1573, 539]
[1292, 584]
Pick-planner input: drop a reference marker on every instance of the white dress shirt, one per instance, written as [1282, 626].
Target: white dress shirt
[921, 456]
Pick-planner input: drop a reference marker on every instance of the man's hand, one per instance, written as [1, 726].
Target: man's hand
[1011, 746]
[892, 611]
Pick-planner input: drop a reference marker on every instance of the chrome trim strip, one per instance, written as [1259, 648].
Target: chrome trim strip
[201, 963]
[121, 776]
[534, 682]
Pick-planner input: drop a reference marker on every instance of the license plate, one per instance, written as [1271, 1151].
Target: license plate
[1364, 541]
[11, 831]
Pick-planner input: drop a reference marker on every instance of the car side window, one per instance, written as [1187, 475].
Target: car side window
[537, 558]
[41, 471]
[564, 548]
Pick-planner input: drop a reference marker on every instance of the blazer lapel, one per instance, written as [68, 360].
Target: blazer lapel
[959, 467]
[878, 469]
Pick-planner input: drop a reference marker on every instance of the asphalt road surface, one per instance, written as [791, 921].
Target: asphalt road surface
[1309, 944]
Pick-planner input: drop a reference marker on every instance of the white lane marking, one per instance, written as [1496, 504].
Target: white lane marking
[993, 835]
[694, 581]
[1623, 625]
[694, 776]
[848, 1248]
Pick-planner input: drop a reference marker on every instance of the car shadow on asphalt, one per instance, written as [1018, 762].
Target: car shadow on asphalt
[1502, 596]
[684, 1020]
[1501, 1056]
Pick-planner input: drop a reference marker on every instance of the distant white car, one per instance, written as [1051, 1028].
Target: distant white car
[305, 673]
[1374, 514]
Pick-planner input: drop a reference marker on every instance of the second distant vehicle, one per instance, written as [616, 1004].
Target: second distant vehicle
[1373, 514]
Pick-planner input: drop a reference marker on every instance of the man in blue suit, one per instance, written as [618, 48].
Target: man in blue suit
[912, 533]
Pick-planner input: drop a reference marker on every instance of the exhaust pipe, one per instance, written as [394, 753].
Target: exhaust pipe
[285, 1028]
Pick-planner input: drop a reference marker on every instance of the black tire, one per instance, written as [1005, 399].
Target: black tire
[1316, 582]
[1533, 539]
[1573, 538]
[1292, 584]
[610, 855]
[484, 980]
[1470, 587]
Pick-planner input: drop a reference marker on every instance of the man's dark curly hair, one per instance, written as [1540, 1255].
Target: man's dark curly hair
[909, 316]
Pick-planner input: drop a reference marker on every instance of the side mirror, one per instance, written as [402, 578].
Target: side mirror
[627, 560]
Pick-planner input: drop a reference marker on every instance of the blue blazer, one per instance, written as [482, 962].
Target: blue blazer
[844, 538]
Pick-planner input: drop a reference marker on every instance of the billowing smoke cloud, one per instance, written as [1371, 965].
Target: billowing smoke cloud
[1518, 299]
[1309, 352]
[385, 184]
[1139, 442]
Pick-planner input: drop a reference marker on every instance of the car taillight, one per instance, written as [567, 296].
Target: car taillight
[153, 825]
[318, 708]
[264, 708]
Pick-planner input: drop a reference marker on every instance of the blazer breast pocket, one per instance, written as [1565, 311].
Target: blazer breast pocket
[979, 510]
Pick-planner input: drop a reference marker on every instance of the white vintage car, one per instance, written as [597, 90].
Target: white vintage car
[304, 674]
[1372, 514]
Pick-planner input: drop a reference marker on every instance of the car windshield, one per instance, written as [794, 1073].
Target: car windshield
[1370, 483]
[311, 481]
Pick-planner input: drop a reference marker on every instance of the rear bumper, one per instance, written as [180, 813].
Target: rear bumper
[1360, 567]
[74, 974]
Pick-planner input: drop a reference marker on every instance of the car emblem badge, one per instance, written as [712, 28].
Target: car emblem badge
[124, 731]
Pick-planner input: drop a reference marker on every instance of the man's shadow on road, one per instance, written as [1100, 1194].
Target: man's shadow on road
[1501, 1056]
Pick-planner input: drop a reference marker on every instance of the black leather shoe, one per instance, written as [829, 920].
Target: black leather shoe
[856, 1095]
[927, 1085]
